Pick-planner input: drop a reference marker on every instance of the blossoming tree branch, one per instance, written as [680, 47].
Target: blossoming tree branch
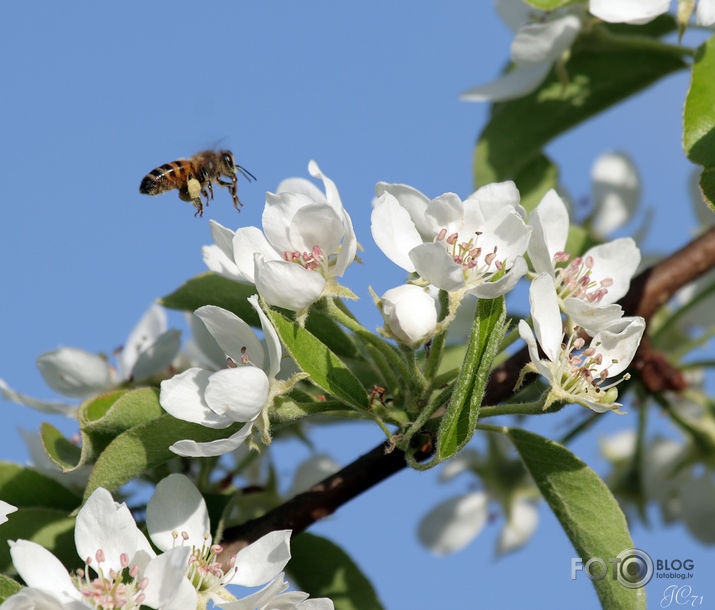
[275, 346]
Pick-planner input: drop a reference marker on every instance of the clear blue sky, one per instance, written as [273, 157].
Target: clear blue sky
[97, 94]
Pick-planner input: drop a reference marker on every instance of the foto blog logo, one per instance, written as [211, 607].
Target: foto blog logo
[632, 568]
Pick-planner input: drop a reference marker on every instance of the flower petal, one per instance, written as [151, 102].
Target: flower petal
[219, 263]
[445, 212]
[592, 318]
[260, 599]
[36, 599]
[167, 583]
[698, 494]
[157, 356]
[527, 335]
[628, 11]
[202, 350]
[270, 336]
[263, 559]
[453, 524]
[40, 569]
[434, 264]
[75, 372]
[414, 202]
[618, 344]
[394, 231]
[315, 225]
[514, 84]
[239, 393]
[546, 316]
[105, 524]
[705, 13]
[410, 313]
[288, 285]
[248, 241]
[519, 528]
[331, 191]
[491, 290]
[5, 510]
[536, 43]
[303, 186]
[189, 448]
[152, 324]
[46, 406]
[550, 221]
[177, 506]
[234, 336]
[615, 261]
[182, 397]
[348, 249]
[616, 190]
[312, 471]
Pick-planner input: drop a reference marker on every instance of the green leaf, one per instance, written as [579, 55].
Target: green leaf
[320, 567]
[585, 507]
[699, 118]
[329, 332]
[24, 488]
[51, 528]
[211, 289]
[326, 370]
[8, 587]
[144, 447]
[61, 451]
[535, 180]
[601, 73]
[457, 425]
[550, 5]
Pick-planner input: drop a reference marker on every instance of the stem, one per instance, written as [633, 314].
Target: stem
[385, 349]
[645, 43]
[526, 408]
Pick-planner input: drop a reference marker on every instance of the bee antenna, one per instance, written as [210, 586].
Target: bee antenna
[245, 173]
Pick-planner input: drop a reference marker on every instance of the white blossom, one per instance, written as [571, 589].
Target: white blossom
[616, 187]
[643, 11]
[410, 314]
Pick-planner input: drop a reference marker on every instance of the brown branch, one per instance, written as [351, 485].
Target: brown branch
[649, 290]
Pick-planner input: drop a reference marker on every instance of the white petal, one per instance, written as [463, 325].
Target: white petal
[248, 241]
[303, 186]
[157, 356]
[495, 196]
[219, 263]
[183, 397]
[288, 285]
[260, 599]
[616, 190]
[270, 336]
[619, 446]
[331, 191]
[5, 510]
[167, 580]
[394, 231]
[75, 372]
[545, 315]
[235, 337]
[628, 11]
[705, 13]
[177, 506]
[435, 265]
[462, 462]
[527, 335]
[203, 350]
[315, 225]
[278, 215]
[46, 406]
[536, 43]
[445, 212]
[515, 83]
[592, 318]
[105, 524]
[317, 603]
[521, 526]
[223, 238]
[616, 260]
[618, 344]
[40, 569]
[312, 471]
[491, 290]
[146, 332]
[550, 221]
[348, 249]
[414, 202]
[189, 448]
[453, 524]
[515, 13]
[36, 599]
[263, 559]
[239, 393]
[698, 494]
[410, 313]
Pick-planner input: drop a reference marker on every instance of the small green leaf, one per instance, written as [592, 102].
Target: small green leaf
[63, 452]
[457, 425]
[211, 289]
[51, 528]
[320, 567]
[535, 180]
[699, 118]
[330, 333]
[585, 507]
[128, 410]
[601, 73]
[145, 446]
[326, 370]
[24, 487]
[8, 587]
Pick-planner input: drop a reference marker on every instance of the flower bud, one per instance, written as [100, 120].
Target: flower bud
[410, 313]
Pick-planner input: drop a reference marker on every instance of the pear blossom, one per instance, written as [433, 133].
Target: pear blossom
[5, 510]
[577, 373]
[643, 11]
[312, 471]
[535, 48]
[410, 314]
[307, 242]
[185, 524]
[127, 572]
[615, 186]
[589, 285]
[239, 393]
[454, 523]
[460, 247]
[149, 349]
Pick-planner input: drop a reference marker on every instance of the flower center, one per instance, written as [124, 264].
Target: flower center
[111, 589]
[575, 280]
[468, 254]
[312, 260]
[205, 572]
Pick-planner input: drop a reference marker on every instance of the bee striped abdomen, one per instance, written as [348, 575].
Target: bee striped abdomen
[166, 177]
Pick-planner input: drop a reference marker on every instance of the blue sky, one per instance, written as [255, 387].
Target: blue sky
[97, 94]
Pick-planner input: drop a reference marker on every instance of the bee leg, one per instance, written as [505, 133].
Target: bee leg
[211, 190]
[199, 207]
[233, 189]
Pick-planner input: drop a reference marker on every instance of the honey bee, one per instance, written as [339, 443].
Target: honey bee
[194, 177]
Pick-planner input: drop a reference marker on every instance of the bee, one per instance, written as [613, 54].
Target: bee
[194, 177]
